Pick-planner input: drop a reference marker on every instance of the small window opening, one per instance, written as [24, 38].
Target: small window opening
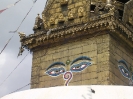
[92, 8]
[120, 14]
[64, 7]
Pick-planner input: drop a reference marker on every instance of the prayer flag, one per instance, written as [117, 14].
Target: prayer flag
[2, 10]
[10, 6]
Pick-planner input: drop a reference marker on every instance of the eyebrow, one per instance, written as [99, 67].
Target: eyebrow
[124, 62]
[81, 58]
[56, 63]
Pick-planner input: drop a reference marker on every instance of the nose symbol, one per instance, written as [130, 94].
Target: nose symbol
[68, 77]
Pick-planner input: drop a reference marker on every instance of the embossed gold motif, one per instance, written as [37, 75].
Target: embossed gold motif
[80, 11]
[70, 15]
[61, 18]
[52, 20]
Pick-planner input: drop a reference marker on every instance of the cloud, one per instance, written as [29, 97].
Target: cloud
[2, 59]
[19, 78]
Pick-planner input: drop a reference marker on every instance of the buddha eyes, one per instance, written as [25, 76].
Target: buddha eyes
[79, 67]
[58, 68]
[74, 68]
[55, 71]
[124, 71]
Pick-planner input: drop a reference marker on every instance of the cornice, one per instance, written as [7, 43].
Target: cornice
[105, 22]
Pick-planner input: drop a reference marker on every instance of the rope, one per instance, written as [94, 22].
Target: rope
[9, 6]
[20, 88]
[14, 69]
[6, 44]
[22, 20]
[18, 26]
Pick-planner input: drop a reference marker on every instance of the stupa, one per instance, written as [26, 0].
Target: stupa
[82, 49]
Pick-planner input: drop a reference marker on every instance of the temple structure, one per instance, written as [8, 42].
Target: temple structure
[82, 42]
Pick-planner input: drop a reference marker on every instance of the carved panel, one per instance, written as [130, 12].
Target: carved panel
[61, 18]
[80, 11]
[52, 20]
[70, 15]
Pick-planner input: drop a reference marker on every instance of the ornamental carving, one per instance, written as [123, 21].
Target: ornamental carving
[61, 18]
[80, 11]
[63, 2]
[52, 20]
[99, 6]
[21, 35]
[107, 21]
[38, 23]
[70, 15]
[44, 20]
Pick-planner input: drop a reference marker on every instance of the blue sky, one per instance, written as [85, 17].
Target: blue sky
[9, 21]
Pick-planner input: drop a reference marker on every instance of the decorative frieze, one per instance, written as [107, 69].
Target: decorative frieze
[107, 22]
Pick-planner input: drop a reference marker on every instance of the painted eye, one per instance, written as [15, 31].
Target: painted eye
[124, 72]
[79, 67]
[55, 71]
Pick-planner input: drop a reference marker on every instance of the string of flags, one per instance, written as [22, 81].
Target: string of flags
[34, 1]
[2, 10]
[22, 21]
[11, 5]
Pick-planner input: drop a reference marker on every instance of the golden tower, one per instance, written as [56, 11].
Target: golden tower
[82, 42]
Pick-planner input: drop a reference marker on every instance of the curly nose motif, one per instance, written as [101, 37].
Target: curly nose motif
[67, 76]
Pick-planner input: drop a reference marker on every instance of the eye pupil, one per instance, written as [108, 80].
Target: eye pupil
[78, 67]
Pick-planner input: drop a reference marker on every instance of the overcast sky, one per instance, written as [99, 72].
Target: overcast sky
[9, 21]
